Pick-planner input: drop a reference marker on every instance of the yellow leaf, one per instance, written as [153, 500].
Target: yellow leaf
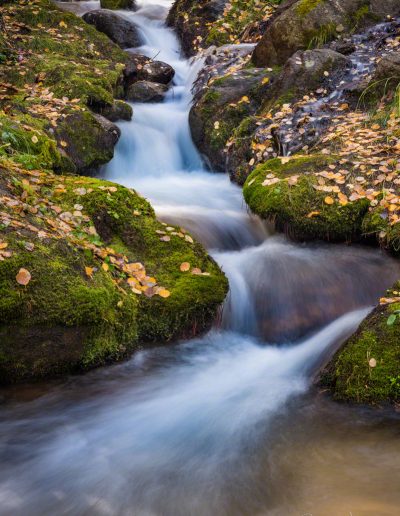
[164, 293]
[34, 138]
[89, 271]
[105, 267]
[329, 200]
[63, 24]
[63, 143]
[23, 277]
[313, 214]
[3, 245]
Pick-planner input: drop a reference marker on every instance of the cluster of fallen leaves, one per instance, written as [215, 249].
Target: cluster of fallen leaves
[33, 217]
[240, 25]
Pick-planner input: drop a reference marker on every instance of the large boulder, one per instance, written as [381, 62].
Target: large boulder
[142, 68]
[87, 139]
[70, 301]
[146, 91]
[118, 29]
[285, 191]
[312, 23]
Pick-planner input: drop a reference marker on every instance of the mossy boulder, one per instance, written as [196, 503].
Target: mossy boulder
[118, 4]
[89, 146]
[283, 190]
[367, 368]
[101, 269]
[312, 23]
[220, 108]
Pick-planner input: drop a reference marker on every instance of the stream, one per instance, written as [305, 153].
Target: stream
[228, 423]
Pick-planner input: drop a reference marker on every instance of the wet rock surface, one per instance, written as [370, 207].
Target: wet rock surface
[146, 91]
[142, 68]
[117, 28]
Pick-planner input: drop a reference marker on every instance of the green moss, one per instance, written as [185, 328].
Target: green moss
[320, 36]
[361, 15]
[300, 209]
[350, 375]
[33, 149]
[303, 7]
[116, 4]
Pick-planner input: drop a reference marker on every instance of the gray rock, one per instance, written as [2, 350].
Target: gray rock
[142, 68]
[146, 91]
[120, 110]
[118, 29]
[304, 71]
[314, 23]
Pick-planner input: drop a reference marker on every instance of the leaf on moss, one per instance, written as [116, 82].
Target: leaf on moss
[23, 277]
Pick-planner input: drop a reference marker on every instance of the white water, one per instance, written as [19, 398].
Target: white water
[180, 430]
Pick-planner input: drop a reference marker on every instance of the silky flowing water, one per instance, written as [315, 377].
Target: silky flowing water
[228, 423]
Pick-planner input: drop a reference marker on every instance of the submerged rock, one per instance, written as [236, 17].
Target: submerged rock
[117, 28]
[146, 91]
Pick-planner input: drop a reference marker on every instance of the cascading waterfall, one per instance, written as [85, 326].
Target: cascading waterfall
[203, 427]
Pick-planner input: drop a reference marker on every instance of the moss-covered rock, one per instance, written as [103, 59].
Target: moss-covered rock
[285, 191]
[191, 19]
[118, 4]
[92, 145]
[105, 275]
[219, 110]
[367, 368]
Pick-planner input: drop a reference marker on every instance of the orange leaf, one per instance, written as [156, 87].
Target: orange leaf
[23, 277]
[185, 266]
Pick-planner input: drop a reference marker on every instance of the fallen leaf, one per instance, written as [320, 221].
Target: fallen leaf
[185, 266]
[23, 277]
[164, 293]
[329, 200]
